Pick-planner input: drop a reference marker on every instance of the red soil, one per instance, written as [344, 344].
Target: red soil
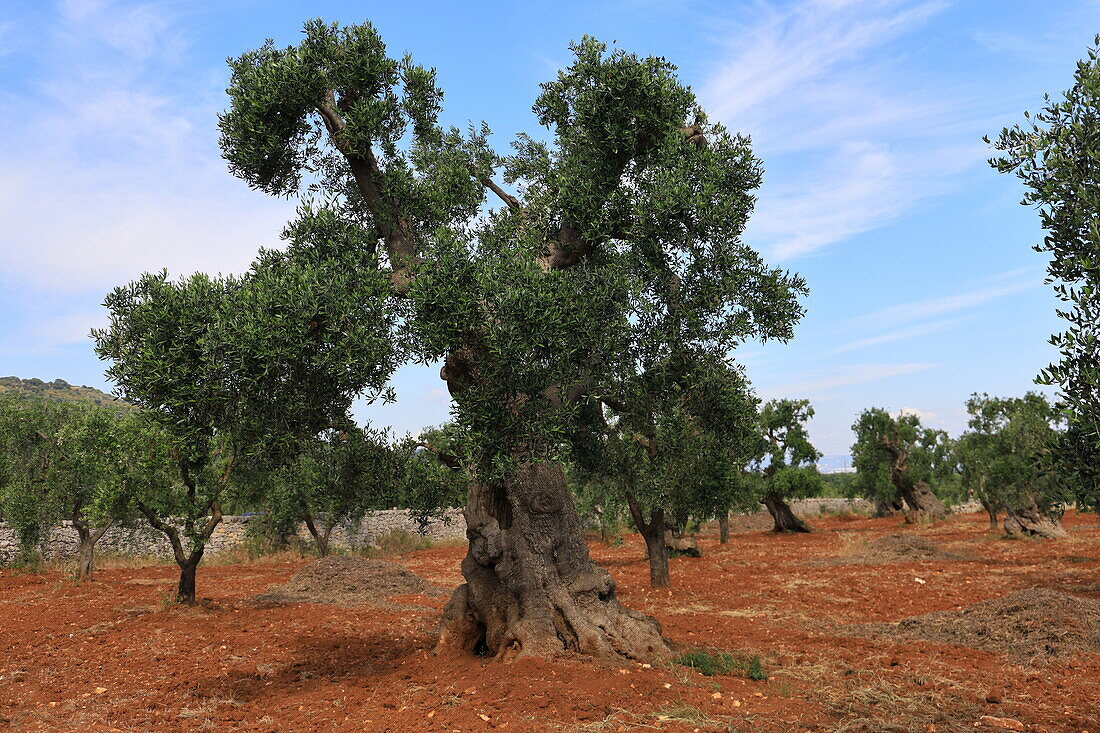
[111, 655]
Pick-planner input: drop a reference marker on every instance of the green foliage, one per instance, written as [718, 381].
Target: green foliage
[1004, 457]
[790, 472]
[839, 485]
[62, 461]
[886, 444]
[713, 663]
[1055, 154]
[678, 450]
[619, 255]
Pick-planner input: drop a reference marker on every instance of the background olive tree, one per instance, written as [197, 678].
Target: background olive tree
[1003, 459]
[788, 460]
[897, 460]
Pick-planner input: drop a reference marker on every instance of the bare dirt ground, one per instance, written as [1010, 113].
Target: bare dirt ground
[821, 610]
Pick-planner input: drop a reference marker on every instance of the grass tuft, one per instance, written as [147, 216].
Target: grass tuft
[713, 662]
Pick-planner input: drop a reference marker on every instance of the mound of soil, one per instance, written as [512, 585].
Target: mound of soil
[907, 547]
[1027, 624]
[347, 580]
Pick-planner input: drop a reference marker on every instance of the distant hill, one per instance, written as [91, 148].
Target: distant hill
[59, 389]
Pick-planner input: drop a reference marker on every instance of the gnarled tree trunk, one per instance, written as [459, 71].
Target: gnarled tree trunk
[1030, 522]
[724, 528]
[924, 506]
[782, 515]
[887, 507]
[531, 588]
[677, 544]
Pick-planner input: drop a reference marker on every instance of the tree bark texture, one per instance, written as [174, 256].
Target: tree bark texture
[653, 532]
[85, 549]
[1028, 521]
[782, 515]
[924, 506]
[724, 528]
[531, 588]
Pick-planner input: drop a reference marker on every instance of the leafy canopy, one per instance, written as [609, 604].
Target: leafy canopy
[1056, 154]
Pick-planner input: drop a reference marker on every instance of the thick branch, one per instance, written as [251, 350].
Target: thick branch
[512, 201]
[445, 458]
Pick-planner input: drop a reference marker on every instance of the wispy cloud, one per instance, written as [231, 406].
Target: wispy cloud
[931, 315]
[111, 162]
[844, 376]
[850, 139]
[899, 334]
[906, 313]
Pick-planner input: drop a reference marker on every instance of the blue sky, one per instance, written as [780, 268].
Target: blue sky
[868, 116]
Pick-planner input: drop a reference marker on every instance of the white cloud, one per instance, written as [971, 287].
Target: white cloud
[435, 395]
[112, 168]
[924, 415]
[899, 334]
[850, 139]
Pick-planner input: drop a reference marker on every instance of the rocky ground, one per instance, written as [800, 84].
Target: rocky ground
[955, 630]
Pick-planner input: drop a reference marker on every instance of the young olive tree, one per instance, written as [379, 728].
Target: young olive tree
[1004, 460]
[1054, 153]
[234, 366]
[675, 450]
[26, 460]
[335, 479]
[532, 305]
[898, 453]
[63, 462]
[790, 471]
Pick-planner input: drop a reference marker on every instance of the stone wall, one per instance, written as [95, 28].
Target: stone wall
[232, 532]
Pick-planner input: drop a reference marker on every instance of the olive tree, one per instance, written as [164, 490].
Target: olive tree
[231, 366]
[1003, 458]
[333, 480]
[896, 460]
[1054, 153]
[63, 462]
[790, 471]
[674, 447]
[530, 303]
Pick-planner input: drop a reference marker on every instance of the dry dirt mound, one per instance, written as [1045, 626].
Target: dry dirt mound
[893, 548]
[907, 547]
[347, 580]
[1027, 624]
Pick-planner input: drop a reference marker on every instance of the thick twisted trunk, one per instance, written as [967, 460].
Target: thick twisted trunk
[782, 515]
[531, 588]
[724, 528]
[924, 506]
[1028, 521]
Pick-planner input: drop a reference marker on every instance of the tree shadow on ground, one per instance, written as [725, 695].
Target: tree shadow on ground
[319, 662]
